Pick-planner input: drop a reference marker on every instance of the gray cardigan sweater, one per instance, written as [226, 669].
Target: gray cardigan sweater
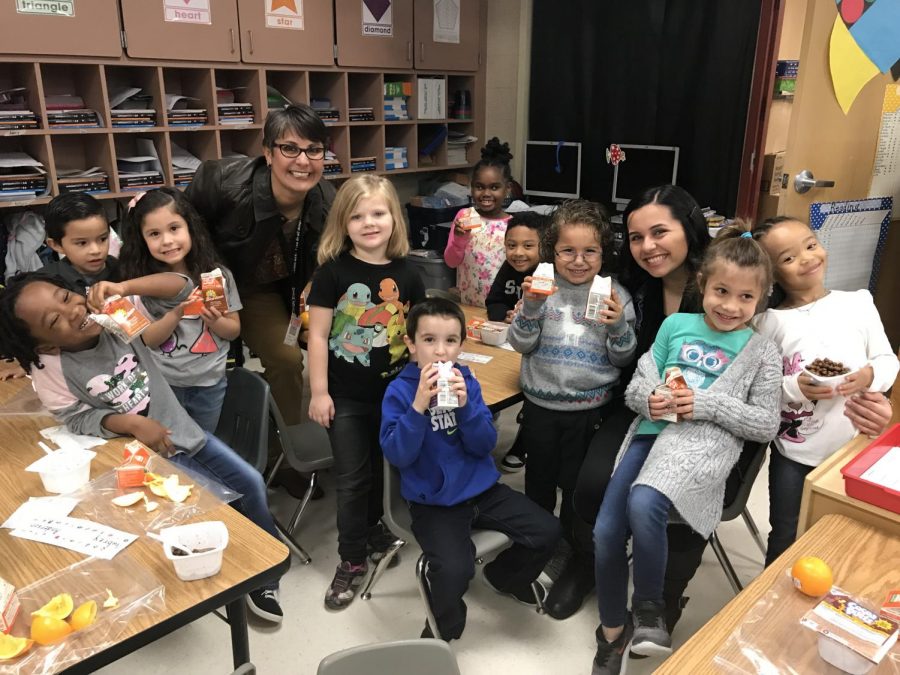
[691, 460]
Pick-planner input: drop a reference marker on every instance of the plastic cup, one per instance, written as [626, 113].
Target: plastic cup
[210, 537]
[64, 471]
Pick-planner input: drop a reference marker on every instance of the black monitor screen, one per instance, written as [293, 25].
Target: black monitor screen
[645, 166]
[552, 169]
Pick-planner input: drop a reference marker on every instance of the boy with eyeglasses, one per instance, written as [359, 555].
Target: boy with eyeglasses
[570, 364]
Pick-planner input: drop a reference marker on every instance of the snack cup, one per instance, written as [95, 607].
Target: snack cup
[64, 471]
[211, 535]
[494, 332]
[843, 657]
[832, 381]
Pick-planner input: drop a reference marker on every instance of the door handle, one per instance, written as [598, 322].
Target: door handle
[231, 34]
[805, 181]
[422, 52]
[409, 51]
[250, 40]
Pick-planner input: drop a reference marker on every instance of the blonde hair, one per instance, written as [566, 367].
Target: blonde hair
[335, 239]
[735, 244]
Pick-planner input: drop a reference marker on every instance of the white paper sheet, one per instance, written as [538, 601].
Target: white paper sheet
[474, 358]
[886, 168]
[40, 507]
[65, 439]
[886, 471]
[77, 534]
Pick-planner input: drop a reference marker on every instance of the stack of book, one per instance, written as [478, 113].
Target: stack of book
[325, 111]
[235, 113]
[139, 172]
[398, 89]
[187, 117]
[133, 118]
[184, 166]
[332, 164]
[130, 107]
[395, 109]
[362, 164]
[94, 179]
[73, 118]
[361, 115]
[395, 157]
[457, 141]
[17, 119]
[21, 176]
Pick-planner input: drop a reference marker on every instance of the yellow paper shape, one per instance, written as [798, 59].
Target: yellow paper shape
[850, 67]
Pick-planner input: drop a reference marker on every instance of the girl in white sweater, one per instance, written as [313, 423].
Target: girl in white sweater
[813, 322]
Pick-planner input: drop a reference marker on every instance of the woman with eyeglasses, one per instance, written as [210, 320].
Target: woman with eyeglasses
[266, 214]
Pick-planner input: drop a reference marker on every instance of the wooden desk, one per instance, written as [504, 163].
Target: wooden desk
[823, 493]
[251, 558]
[499, 379]
[861, 558]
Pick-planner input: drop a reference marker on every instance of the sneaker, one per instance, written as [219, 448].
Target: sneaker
[555, 566]
[650, 635]
[347, 578]
[524, 594]
[379, 542]
[512, 463]
[264, 603]
[609, 657]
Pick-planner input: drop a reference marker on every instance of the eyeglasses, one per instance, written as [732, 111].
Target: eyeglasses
[588, 255]
[291, 151]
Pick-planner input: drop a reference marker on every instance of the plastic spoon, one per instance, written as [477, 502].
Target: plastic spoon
[174, 546]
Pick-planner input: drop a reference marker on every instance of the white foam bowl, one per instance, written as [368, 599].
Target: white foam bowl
[211, 534]
[64, 470]
[494, 332]
[842, 657]
[832, 381]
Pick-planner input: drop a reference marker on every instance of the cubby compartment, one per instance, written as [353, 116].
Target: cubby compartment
[19, 81]
[459, 97]
[239, 97]
[190, 96]
[132, 110]
[187, 150]
[339, 147]
[241, 142]
[24, 182]
[74, 96]
[398, 97]
[141, 161]
[83, 163]
[400, 145]
[366, 102]
[286, 86]
[432, 145]
[328, 96]
[462, 148]
[366, 149]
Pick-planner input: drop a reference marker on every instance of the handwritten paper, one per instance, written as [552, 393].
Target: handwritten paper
[76, 534]
[474, 358]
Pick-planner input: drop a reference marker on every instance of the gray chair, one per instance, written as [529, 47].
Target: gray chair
[242, 424]
[403, 657]
[399, 520]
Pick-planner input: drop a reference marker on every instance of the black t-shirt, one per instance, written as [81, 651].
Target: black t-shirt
[505, 291]
[370, 303]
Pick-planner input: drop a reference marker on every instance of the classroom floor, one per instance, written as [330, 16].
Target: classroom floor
[502, 636]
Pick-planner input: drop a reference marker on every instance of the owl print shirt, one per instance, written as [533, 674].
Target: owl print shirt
[702, 353]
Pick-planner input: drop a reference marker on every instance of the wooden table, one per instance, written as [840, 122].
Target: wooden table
[499, 378]
[251, 558]
[863, 559]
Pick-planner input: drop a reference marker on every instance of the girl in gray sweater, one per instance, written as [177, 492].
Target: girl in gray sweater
[734, 383]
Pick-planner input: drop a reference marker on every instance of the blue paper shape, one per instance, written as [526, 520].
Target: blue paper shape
[877, 32]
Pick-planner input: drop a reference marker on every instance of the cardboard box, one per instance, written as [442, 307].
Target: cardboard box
[772, 173]
[9, 605]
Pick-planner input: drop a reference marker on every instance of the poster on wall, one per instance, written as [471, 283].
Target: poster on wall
[446, 21]
[56, 8]
[284, 14]
[187, 11]
[377, 18]
[886, 169]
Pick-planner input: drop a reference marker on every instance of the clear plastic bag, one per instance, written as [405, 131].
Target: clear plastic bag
[139, 593]
[95, 500]
[762, 645]
[24, 402]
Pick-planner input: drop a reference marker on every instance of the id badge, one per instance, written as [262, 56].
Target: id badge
[293, 331]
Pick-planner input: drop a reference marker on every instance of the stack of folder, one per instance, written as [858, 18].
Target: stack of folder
[358, 164]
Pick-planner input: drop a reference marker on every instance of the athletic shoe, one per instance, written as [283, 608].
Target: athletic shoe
[512, 463]
[554, 568]
[524, 593]
[650, 635]
[264, 603]
[380, 540]
[609, 657]
[347, 578]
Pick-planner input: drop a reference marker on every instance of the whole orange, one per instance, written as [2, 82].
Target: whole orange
[812, 576]
[45, 630]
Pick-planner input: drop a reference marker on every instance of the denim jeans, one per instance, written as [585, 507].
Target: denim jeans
[203, 404]
[785, 491]
[217, 461]
[638, 510]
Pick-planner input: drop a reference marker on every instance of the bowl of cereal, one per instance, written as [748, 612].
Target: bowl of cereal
[827, 372]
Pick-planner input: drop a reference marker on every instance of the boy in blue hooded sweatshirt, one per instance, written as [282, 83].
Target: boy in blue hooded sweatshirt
[448, 476]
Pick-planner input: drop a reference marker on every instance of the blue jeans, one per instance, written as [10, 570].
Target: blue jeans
[217, 461]
[785, 491]
[642, 512]
[203, 404]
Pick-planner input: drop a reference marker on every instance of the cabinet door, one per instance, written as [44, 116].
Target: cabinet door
[91, 30]
[362, 42]
[447, 20]
[191, 30]
[299, 32]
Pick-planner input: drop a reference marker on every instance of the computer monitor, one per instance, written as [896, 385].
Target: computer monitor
[645, 166]
[552, 169]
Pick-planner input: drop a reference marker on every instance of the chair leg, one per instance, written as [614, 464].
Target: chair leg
[538, 591]
[271, 476]
[725, 563]
[313, 480]
[381, 567]
[754, 531]
[292, 543]
[425, 592]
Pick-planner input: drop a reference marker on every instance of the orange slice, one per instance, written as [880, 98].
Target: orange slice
[45, 630]
[59, 607]
[84, 616]
[12, 647]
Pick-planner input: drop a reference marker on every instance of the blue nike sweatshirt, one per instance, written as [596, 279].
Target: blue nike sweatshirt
[444, 458]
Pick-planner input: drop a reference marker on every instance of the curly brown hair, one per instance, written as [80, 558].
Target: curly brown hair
[578, 212]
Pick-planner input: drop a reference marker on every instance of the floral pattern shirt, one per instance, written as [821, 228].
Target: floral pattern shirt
[476, 256]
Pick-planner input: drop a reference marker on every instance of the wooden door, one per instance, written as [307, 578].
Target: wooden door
[91, 30]
[433, 25]
[296, 32]
[204, 30]
[362, 43]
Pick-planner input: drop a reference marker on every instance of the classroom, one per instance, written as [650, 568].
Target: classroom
[449, 336]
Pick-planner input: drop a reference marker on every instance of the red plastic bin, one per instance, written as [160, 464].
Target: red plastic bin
[865, 490]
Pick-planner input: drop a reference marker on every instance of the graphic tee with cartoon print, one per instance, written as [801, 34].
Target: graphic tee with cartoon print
[370, 303]
[702, 353]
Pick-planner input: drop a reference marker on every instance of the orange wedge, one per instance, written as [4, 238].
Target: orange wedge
[59, 607]
[12, 647]
[46, 630]
[84, 616]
